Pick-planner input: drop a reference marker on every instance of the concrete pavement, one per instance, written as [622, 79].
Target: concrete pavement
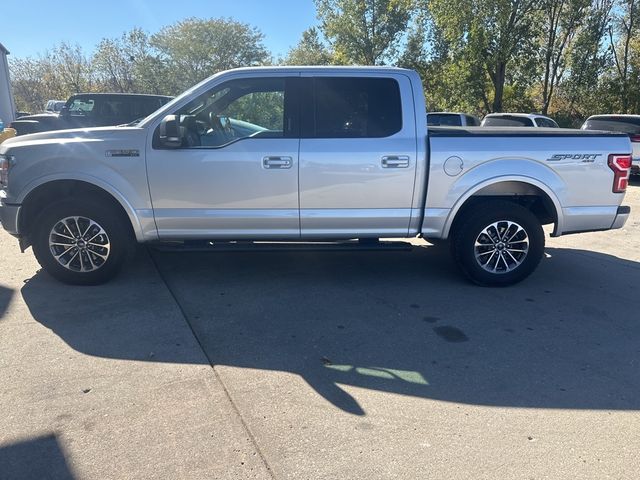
[325, 365]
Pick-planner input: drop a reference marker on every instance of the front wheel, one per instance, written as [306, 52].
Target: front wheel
[498, 243]
[81, 241]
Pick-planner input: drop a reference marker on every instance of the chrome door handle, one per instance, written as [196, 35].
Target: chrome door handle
[395, 161]
[277, 162]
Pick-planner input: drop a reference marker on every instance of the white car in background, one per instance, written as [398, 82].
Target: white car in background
[451, 119]
[629, 124]
[518, 120]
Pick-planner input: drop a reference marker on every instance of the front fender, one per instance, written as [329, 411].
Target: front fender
[138, 228]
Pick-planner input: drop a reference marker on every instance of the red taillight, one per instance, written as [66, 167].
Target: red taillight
[621, 166]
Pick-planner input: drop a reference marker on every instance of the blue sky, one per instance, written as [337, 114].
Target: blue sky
[31, 27]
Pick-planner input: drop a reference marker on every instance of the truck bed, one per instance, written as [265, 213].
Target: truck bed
[517, 132]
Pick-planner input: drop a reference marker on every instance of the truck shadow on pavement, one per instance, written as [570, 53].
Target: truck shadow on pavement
[398, 322]
[5, 298]
[35, 458]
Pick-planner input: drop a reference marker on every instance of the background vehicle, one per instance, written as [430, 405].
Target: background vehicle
[452, 119]
[92, 110]
[54, 106]
[629, 124]
[518, 120]
[307, 154]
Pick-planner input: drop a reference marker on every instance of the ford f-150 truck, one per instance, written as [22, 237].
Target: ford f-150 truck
[307, 154]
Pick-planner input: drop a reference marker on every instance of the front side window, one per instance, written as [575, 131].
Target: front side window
[81, 106]
[346, 107]
[235, 110]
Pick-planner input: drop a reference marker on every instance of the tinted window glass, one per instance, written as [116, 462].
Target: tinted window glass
[114, 108]
[507, 121]
[472, 121]
[141, 107]
[356, 108]
[448, 119]
[546, 123]
[614, 124]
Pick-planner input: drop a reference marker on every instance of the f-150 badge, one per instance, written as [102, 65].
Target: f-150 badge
[123, 153]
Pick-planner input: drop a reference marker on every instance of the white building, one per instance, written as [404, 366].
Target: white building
[7, 104]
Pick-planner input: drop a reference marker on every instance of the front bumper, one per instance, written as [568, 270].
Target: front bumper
[9, 218]
[621, 217]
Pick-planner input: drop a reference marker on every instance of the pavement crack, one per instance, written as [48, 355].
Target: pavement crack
[227, 393]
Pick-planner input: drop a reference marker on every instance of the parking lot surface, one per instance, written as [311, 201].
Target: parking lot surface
[325, 365]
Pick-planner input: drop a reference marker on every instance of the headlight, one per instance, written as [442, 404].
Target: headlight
[6, 162]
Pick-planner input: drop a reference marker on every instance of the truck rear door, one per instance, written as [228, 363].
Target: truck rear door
[357, 156]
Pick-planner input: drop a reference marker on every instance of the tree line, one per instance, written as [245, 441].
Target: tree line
[565, 58]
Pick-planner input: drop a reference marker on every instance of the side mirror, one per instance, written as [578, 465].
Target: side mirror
[170, 132]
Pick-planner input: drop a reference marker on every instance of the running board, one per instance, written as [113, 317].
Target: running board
[248, 246]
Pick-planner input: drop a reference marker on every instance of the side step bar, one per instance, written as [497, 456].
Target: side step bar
[260, 246]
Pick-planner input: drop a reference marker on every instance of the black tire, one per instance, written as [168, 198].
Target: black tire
[493, 216]
[116, 238]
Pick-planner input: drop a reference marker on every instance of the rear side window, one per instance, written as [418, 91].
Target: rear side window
[354, 108]
[472, 121]
[507, 121]
[446, 119]
[628, 125]
[143, 106]
[114, 107]
[546, 123]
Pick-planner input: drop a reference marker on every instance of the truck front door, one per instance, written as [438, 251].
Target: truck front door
[236, 174]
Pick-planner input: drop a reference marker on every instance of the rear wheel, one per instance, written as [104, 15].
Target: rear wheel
[498, 243]
[81, 241]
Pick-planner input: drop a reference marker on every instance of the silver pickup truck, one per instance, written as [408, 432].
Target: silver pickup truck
[307, 154]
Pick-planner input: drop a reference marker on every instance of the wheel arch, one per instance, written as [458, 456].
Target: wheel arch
[51, 190]
[518, 189]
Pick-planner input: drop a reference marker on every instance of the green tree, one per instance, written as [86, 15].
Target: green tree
[310, 50]
[56, 74]
[562, 21]
[73, 67]
[621, 33]
[193, 49]
[497, 34]
[588, 60]
[366, 32]
[129, 64]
